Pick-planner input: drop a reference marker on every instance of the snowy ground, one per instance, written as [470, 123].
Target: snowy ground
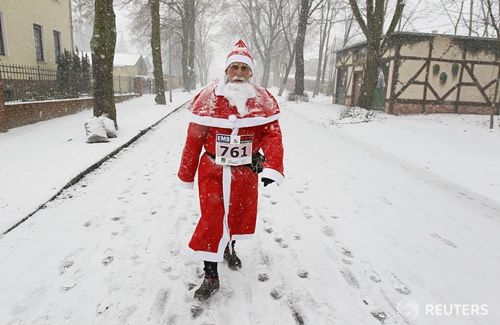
[39, 159]
[370, 215]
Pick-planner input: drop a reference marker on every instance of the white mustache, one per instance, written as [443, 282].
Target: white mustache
[236, 78]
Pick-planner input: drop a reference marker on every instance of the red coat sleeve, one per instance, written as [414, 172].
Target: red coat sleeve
[273, 150]
[191, 154]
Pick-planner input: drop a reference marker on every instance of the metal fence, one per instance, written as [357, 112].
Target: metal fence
[22, 82]
[34, 83]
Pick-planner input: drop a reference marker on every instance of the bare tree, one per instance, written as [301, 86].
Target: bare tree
[307, 7]
[474, 21]
[454, 10]
[289, 27]
[209, 14]
[103, 52]
[372, 28]
[264, 20]
[411, 15]
[488, 18]
[187, 13]
[327, 15]
[350, 29]
[83, 10]
[493, 14]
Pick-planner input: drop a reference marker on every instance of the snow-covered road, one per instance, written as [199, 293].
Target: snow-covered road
[353, 232]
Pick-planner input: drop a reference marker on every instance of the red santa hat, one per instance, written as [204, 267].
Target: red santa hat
[240, 53]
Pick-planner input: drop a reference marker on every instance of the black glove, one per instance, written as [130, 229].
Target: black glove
[257, 162]
[266, 181]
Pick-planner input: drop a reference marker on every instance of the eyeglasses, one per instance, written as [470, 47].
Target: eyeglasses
[236, 67]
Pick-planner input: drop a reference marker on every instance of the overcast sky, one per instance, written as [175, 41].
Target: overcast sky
[428, 16]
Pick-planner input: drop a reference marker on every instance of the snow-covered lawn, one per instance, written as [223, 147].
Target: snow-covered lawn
[460, 148]
[371, 216]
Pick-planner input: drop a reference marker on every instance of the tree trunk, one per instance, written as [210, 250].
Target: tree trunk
[156, 51]
[323, 45]
[370, 76]
[287, 72]
[299, 48]
[267, 69]
[320, 54]
[191, 44]
[373, 30]
[103, 52]
[470, 16]
[185, 52]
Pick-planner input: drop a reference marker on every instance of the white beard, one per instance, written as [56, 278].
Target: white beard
[237, 93]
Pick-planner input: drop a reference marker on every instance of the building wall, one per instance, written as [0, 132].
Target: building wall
[125, 71]
[460, 92]
[18, 18]
[418, 88]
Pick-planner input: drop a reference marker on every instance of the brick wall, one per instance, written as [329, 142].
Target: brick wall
[416, 108]
[19, 114]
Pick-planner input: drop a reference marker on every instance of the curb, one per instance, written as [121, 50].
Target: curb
[93, 167]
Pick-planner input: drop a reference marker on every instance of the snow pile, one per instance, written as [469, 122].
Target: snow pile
[109, 125]
[96, 131]
[99, 129]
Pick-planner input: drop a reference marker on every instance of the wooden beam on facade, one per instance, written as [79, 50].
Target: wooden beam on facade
[410, 81]
[478, 85]
[395, 74]
[428, 66]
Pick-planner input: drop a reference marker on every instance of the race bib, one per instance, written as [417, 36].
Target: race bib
[233, 150]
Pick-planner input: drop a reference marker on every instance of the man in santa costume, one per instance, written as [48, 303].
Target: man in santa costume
[233, 121]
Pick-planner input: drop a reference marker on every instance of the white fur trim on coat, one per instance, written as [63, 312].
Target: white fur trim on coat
[229, 124]
[272, 174]
[183, 184]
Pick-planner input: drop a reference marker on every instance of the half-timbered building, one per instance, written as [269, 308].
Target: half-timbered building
[425, 73]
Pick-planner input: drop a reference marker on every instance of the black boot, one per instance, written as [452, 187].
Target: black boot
[232, 259]
[207, 288]
[210, 283]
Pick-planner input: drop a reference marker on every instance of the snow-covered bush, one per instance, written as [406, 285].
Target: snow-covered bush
[356, 115]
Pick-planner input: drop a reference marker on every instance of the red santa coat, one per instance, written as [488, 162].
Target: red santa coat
[228, 194]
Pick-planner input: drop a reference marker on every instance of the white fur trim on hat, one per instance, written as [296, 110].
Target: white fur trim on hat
[239, 58]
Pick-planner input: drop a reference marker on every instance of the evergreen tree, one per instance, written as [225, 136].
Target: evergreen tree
[86, 80]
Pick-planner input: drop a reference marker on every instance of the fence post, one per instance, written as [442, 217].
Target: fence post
[3, 115]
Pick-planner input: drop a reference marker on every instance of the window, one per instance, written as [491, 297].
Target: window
[2, 42]
[37, 30]
[57, 43]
